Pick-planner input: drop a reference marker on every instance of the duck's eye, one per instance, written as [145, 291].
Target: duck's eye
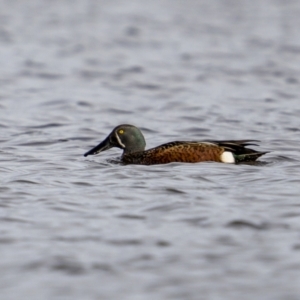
[121, 131]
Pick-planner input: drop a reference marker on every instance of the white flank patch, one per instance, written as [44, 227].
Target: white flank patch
[227, 157]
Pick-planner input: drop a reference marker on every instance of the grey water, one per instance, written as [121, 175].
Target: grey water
[85, 228]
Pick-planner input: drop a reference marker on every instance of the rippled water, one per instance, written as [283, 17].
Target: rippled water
[83, 228]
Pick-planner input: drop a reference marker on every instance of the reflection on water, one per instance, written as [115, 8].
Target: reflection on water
[78, 228]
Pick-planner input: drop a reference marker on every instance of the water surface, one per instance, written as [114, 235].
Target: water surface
[84, 228]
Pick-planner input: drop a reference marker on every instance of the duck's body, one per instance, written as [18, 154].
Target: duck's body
[192, 152]
[131, 140]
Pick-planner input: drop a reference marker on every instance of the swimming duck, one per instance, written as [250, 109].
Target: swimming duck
[131, 140]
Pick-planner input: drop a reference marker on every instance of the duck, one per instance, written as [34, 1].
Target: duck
[130, 139]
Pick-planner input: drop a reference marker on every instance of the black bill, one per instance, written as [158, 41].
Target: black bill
[105, 145]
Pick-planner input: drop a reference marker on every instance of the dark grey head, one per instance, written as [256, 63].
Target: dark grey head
[126, 137]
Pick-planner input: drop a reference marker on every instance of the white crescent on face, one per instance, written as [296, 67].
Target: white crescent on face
[119, 140]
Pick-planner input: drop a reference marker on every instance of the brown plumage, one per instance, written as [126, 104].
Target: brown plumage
[190, 152]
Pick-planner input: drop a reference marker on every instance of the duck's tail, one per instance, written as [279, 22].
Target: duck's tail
[240, 151]
[248, 157]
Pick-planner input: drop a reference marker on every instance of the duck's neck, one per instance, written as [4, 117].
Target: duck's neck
[134, 148]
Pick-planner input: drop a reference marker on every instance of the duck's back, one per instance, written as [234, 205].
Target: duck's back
[189, 152]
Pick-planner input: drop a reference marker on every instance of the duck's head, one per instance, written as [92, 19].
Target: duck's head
[127, 137]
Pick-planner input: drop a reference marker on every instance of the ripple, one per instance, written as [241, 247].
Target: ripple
[82, 183]
[24, 181]
[42, 75]
[118, 111]
[66, 265]
[38, 143]
[49, 125]
[4, 240]
[147, 86]
[165, 207]
[171, 190]
[125, 242]
[239, 224]
[131, 217]
[14, 220]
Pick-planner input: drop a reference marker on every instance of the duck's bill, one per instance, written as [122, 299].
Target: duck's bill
[105, 145]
